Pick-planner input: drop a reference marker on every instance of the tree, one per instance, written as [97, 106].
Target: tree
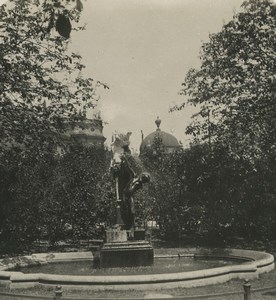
[41, 83]
[79, 195]
[42, 92]
[168, 202]
[235, 85]
[235, 127]
[57, 198]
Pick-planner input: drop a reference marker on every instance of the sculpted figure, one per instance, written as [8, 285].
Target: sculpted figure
[127, 181]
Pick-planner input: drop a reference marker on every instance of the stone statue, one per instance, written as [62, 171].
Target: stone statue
[127, 181]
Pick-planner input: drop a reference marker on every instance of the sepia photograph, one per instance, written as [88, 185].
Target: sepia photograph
[137, 149]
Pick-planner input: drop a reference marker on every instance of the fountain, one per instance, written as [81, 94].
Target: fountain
[125, 245]
[127, 248]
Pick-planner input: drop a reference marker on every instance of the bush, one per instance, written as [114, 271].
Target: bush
[57, 197]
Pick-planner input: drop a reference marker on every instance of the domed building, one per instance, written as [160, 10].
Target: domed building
[168, 141]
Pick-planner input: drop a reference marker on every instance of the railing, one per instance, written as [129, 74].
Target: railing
[58, 295]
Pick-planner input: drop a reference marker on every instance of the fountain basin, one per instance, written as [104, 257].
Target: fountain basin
[252, 264]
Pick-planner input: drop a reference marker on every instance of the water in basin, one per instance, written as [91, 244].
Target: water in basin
[160, 266]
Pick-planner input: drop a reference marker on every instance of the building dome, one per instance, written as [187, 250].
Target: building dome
[169, 141]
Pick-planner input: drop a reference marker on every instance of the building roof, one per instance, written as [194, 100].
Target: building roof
[88, 132]
[169, 141]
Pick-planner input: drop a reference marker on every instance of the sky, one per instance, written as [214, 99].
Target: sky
[142, 49]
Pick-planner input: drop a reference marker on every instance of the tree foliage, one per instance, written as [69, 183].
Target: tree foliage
[166, 200]
[232, 173]
[41, 82]
[210, 197]
[80, 195]
[235, 85]
[57, 198]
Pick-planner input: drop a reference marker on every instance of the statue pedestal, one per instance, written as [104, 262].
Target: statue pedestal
[118, 251]
[116, 235]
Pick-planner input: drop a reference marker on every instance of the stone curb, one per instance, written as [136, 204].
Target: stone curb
[254, 264]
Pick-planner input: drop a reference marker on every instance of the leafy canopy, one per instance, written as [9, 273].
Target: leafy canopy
[234, 88]
[41, 83]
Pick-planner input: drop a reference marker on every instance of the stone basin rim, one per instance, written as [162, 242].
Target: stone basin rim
[255, 263]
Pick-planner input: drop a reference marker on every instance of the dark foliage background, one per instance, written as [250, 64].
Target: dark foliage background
[57, 198]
